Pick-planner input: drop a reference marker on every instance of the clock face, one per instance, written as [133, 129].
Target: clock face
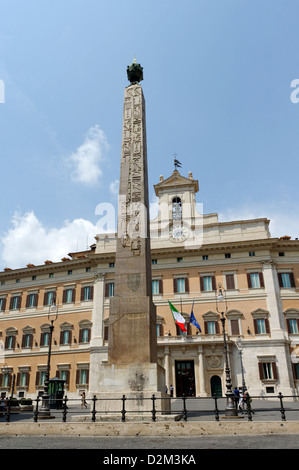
[178, 233]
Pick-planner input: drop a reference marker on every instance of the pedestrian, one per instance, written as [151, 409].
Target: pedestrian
[237, 396]
[241, 401]
[171, 390]
[83, 400]
[190, 392]
[2, 405]
[166, 389]
[248, 401]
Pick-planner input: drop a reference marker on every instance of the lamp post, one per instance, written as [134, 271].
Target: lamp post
[45, 406]
[240, 347]
[221, 307]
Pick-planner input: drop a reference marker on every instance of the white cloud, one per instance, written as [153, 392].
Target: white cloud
[29, 241]
[114, 187]
[88, 157]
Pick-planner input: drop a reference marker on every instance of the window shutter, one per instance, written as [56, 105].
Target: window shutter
[73, 295]
[160, 286]
[267, 325]
[187, 285]
[289, 326]
[213, 283]
[235, 327]
[202, 287]
[30, 341]
[274, 370]
[261, 280]
[42, 336]
[57, 373]
[295, 371]
[255, 326]
[175, 285]
[280, 279]
[6, 342]
[13, 342]
[11, 303]
[27, 379]
[249, 280]
[46, 298]
[23, 340]
[261, 371]
[64, 296]
[106, 290]
[178, 330]
[89, 334]
[292, 280]
[37, 378]
[230, 281]
[1, 380]
[106, 332]
[70, 337]
[67, 378]
[206, 327]
[82, 293]
[19, 301]
[4, 305]
[18, 379]
[217, 327]
[61, 337]
[77, 377]
[161, 330]
[80, 336]
[87, 376]
[91, 292]
[27, 300]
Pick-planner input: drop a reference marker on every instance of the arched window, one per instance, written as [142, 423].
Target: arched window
[176, 209]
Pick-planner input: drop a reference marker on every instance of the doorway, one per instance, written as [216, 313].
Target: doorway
[185, 380]
[216, 387]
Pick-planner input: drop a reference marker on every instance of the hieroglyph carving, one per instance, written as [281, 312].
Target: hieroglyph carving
[132, 217]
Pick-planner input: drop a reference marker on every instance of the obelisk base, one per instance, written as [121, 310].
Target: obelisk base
[130, 388]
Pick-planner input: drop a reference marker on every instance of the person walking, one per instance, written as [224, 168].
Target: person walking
[171, 390]
[83, 400]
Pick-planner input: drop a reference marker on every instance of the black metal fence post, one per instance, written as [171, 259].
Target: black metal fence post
[154, 408]
[184, 407]
[36, 410]
[64, 413]
[8, 411]
[123, 412]
[216, 410]
[282, 410]
[94, 399]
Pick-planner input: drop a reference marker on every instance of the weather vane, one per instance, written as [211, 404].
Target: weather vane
[177, 164]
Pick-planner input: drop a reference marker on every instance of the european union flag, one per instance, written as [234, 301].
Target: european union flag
[193, 319]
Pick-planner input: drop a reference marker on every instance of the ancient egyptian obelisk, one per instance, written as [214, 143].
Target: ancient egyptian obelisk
[132, 367]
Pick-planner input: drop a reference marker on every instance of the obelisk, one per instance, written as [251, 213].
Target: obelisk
[132, 369]
[132, 318]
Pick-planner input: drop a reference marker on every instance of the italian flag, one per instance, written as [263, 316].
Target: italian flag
[178, 318]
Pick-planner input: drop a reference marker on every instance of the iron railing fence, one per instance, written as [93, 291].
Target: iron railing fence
[184, 408]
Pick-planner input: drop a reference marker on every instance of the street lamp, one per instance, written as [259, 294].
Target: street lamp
[240, 347]
[45, 406]
[221, 307]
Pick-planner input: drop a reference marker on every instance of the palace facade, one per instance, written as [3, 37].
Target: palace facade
[192, 254]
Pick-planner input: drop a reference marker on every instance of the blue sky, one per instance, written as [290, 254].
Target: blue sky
[217, 84]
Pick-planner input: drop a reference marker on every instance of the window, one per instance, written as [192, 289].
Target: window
[18, 280]
[15, 302]
[157, 286]
[176, 208]
[268, 370]
[31, 300]
[296, 370]
[230, 281]
[88, 270]
[49, 298]
[286, 280]
[281, 253]
[211, 327]
[84, 335]
[154, 261]
[234, 326]
[82, 376]
[251, 253]
[10, 342]
[255, 280]
[207, 283]
[23, 379]
[27, 340]
[2, 304]
[159, 327]
[40, 378]
[205, 257]
[227, 255]
[44, 339]
[65, 337]
[179, 260]
[87, 293]
[293, 326]
[181, 285]
[33, 278]
[261, 326]
[51, 275]
[70, 272]
[109, 289]
[111, 265]
[68, 296]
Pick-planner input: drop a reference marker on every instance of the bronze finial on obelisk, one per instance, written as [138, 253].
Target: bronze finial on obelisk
[132, 318]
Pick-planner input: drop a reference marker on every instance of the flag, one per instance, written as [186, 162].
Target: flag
[178, 318]
[193, 319]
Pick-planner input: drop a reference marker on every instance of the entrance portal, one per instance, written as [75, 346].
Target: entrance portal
[216, 387]
[184, 376]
